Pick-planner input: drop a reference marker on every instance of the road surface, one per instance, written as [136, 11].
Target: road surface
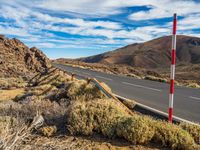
[150, 93]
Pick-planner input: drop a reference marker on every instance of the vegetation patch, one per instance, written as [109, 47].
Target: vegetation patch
[7, 83]
[153, 78]
[10, 94]
[79, 89]
[193, 130]
[106, 117]
[80, 108]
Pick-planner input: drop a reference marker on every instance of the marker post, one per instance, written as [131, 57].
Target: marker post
[172, 75]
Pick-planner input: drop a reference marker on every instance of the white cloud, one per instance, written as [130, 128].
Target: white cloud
[77, 22]
[14, 31]
[166, 8]
[190, 22]
[33, 24]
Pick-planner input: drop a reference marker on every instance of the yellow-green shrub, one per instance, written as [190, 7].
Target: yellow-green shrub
[106, 117]
[193, 130]
[172, 136]
[135, 129]
[193, 85]
[99, 115]
[80, 88]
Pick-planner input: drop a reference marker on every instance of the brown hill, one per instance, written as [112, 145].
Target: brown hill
[16, 59]
[152, 54]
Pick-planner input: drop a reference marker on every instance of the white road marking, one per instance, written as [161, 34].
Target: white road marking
[145, 87]
[104, 78]
[86, 73]
[196, 98]
[159, 112]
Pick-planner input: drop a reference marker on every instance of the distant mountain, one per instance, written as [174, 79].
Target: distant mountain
[152, 54]
[16, 59]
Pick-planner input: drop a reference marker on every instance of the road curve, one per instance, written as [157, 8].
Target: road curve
[150, 93]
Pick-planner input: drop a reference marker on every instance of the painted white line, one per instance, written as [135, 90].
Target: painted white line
[196, 98]
[160, 112]
[86, 73]
[104, 78]
[145, 87]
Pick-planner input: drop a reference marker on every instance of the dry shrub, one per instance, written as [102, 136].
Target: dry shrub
[173, 136]
[53, 77]
[134, 76]
[193, 130]
[99, 115]
[153, 78]
[129, 103]
[193, 85]
[42, 89]
[48, 130]
[135, 129]
[6, 122]
[80, 88]
[6, 83]
[10, 132]
[106, 117]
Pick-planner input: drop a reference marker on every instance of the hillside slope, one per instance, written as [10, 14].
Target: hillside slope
[16, 59]
[152, 54]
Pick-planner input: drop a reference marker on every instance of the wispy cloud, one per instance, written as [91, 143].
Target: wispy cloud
[165, 8]
[92, 24]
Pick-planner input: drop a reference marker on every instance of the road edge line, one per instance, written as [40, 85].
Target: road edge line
[156, 111]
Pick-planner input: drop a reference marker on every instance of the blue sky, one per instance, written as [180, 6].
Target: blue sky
[79, 28]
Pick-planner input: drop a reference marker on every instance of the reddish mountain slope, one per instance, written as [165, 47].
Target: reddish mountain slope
[152, 54]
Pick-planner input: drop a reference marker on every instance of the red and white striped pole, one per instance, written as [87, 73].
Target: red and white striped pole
[173, 62]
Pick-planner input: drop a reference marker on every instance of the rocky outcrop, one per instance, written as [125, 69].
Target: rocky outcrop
[16, 59]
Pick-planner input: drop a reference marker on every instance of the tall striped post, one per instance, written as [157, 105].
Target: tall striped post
[172, 75]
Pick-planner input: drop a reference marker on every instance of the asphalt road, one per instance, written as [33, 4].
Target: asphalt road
[150, 93]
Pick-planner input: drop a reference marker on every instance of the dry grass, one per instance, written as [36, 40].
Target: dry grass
[53, 76]
[48, 130]
[193, 85]
[83, 109]
[153, 78]
[6, 83]
[10, 94]
[42, 89]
